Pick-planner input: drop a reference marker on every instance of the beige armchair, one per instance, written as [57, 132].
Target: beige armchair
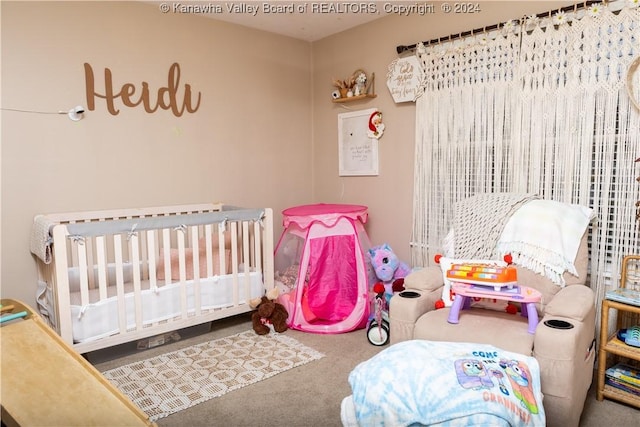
[563, 343]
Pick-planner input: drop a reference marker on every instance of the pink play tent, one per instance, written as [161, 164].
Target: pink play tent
[322, 268]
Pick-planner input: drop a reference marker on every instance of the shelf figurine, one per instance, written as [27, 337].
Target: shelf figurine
[360, 86]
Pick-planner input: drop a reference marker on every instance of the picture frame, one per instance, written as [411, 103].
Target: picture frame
[357, 150]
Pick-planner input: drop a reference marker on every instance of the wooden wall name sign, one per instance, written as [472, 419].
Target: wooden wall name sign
[171, 97]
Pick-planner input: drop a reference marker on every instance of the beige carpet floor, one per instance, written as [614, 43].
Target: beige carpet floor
[306, 396]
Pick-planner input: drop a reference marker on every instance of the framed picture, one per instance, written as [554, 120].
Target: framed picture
[358, 150]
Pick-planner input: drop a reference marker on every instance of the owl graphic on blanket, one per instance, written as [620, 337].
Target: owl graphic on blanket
[444, 383]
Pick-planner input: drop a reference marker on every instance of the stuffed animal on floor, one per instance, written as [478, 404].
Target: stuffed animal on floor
[268, 311]
[388, 268]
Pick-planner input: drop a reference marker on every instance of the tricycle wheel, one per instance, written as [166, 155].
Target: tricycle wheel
[378, 335]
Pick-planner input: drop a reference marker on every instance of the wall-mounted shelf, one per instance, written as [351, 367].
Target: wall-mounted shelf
[368, 90]
[354, 98]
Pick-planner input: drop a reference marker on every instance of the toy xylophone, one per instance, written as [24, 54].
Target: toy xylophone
[483, 274]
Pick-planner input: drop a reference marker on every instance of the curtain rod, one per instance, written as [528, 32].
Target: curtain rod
[583, 5]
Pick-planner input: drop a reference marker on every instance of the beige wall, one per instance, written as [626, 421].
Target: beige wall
[249, 143]
[264, 135]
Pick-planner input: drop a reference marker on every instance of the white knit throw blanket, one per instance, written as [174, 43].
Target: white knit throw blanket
[544, 236]
[479, 220]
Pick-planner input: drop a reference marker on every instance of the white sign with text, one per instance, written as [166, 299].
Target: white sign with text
[404, 79]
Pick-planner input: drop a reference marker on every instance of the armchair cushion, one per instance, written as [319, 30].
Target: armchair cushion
[507, 331]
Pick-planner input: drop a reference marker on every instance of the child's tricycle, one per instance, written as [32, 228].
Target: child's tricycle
[378, 323]
[390, 272]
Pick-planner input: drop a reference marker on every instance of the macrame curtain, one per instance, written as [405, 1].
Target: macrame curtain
[540, 107]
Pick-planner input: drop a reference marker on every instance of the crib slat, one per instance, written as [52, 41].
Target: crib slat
[196, 270]
[88, 255]
[234, 261]
[62, 298]
[151, 254]
[222, 250]
[182, 269]
[102, 266]
[122, 313]
[257, 241]
[166, 244]
[208, 230]
[134, 252]
[74, 254]
[144, 255]
[247, 261]
[195, 248]
[83, 270]
[252, 241]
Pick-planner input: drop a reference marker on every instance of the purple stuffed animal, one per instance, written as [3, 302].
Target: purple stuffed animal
[386, 264]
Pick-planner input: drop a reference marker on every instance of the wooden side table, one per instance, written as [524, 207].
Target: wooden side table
[612, 346]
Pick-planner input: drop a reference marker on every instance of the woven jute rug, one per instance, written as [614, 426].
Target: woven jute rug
[171, 382]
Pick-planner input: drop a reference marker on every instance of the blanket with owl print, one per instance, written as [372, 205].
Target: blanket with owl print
[458, 384]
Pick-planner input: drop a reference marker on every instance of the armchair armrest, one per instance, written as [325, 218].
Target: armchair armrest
[573, 302]
[405, 311]
[425, 279]
[574, 305]
[426, 284]
[566, 353]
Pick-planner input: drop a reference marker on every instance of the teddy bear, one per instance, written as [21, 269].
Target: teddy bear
[268, 311]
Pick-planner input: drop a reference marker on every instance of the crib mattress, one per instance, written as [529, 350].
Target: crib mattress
[99, 318]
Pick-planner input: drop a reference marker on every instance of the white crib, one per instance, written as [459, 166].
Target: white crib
[110, 277]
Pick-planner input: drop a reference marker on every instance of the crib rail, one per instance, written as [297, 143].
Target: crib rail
[159, 269]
